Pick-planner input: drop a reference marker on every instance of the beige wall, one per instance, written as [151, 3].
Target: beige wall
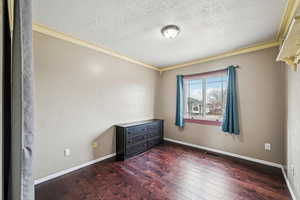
[260, 86]
[81, 94]
[293, 127]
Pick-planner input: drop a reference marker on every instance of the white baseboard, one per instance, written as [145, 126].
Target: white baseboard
[57, 174]
[288, 183]
[241, 157]
[226, 153]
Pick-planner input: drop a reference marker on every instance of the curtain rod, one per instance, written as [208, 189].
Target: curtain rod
[209, 72]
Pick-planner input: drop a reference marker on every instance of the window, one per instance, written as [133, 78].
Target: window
[205, 96]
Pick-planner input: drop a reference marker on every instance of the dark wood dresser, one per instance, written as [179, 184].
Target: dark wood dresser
[137, 137]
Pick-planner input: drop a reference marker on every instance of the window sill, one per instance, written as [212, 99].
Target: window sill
[204, 122]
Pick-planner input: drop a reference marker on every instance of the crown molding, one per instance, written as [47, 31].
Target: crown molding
[224, 55]
[287, 18]
[59, 35]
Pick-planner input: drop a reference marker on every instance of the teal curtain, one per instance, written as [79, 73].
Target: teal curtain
[180, 102]
[231, 120]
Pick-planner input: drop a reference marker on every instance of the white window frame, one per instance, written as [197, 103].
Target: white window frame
[202, 77]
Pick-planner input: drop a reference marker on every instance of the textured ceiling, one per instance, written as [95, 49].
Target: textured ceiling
[132, 27]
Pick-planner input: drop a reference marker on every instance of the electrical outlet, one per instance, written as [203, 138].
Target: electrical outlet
[293, 170]
[267, 146]
[67, 152]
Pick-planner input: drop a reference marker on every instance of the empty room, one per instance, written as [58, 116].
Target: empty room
[150, 100]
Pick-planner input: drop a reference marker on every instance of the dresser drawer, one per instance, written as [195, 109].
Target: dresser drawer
[153, 125]
[154, 130]
[154, 142]
[135, 131]
[136, 139]
[135, 149]
[154, 134]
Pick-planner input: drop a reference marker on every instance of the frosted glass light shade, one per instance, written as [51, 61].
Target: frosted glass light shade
[170, 31]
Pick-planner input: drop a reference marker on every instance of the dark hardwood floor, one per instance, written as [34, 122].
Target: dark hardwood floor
[172, 172]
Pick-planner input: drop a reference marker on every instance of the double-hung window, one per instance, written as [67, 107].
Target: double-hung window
[205, 96]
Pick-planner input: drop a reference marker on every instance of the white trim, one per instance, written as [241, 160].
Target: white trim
[57, 174]
[241, 157]
[264, 162]
[288, 184]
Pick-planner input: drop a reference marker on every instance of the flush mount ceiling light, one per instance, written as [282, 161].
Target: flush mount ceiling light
[170, 31]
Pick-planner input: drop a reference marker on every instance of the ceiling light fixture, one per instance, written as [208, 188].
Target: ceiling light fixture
[170, 31]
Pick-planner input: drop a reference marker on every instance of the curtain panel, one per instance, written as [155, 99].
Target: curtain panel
[231, 118]
[19, 132]
[6, 103]
[180, 102]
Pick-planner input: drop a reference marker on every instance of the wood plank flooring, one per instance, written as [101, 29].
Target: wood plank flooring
[172, 172]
